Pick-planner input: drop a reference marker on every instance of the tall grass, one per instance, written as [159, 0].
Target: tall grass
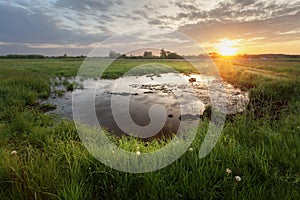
[43, 158]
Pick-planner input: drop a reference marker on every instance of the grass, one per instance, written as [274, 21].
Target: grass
[261, 145]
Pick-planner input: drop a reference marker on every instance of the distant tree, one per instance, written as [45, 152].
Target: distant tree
[65, 55]
[123, 56]
[163, 53]
[113, 54]
[148, 54]
[172, 55]
[33, 56]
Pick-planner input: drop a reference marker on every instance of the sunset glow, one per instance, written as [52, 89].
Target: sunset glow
[227, 47]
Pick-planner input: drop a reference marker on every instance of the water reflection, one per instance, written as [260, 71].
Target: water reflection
[165, 90]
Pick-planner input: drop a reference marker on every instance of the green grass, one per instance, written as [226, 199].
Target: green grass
[262, 145]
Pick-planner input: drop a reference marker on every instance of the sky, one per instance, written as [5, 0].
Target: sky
[77, 27]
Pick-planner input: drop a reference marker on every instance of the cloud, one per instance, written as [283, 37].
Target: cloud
[243, 3]
[268, 29]
[29, 32]
[155, 22]
[88, 5]
[74, 24]
[25, 49]
[295, 31]
[19, 25]
[141, 13]
[234, 10]
[195, 15]
[186, 6]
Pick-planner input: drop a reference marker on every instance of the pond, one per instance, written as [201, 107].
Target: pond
[130, 99]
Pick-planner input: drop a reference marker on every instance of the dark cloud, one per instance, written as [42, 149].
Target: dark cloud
[186, 6]
[181, 15]
[86, 5]
[194, 15]
[155, 22]
[244, 2]
[21, 27]
[141, 13]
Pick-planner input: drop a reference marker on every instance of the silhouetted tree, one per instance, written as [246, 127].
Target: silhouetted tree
[13, 56]
[148, 54]
[172, 55]
[163, 53]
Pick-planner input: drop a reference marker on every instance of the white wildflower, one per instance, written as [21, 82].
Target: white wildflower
[138, 153]
[238, 178]
[190, 149]
[228, 171]
[13, 152]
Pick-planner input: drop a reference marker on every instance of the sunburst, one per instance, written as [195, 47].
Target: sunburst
[227, 47]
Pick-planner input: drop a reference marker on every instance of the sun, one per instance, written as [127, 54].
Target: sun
[227, 47]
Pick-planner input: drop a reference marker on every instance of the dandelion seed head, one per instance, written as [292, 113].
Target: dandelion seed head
[228, 171]
[238, 178]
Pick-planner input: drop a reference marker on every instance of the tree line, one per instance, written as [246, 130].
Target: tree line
[147, 55]
[37, 56]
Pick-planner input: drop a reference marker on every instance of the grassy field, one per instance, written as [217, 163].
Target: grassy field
[43, 158]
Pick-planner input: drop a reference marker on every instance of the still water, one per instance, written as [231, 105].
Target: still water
[130, 99]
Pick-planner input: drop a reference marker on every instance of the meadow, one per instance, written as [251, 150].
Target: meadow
[42, 157]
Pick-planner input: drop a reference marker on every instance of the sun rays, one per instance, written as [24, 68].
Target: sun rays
[228, 47]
